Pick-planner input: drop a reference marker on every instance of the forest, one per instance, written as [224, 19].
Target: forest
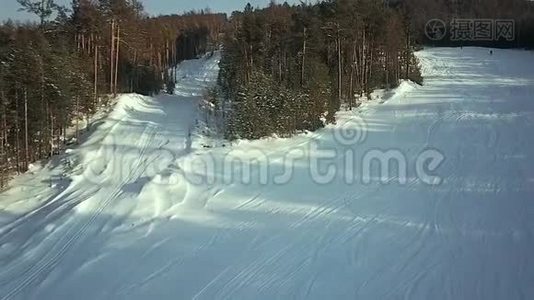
[285, 68]
[289, 69]
[61, 69]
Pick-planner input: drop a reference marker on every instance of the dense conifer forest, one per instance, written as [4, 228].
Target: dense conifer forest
[287, 69]
[284, 69]
[57, 71]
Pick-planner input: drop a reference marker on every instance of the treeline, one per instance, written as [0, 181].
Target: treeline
[63, 68]
[287, 69]
[520, 11]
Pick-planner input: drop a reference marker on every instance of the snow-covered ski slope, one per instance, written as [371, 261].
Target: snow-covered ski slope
[147, 211]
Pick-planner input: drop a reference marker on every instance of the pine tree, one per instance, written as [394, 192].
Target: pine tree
[56, 72]
[298, 65]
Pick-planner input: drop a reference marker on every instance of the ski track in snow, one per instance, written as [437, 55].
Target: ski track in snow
[127, 222]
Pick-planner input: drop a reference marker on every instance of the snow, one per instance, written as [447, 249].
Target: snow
[146, 212]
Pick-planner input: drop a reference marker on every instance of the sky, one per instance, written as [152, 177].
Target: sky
[9, 8]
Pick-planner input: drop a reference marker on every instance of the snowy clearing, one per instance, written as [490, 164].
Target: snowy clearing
[142, 210]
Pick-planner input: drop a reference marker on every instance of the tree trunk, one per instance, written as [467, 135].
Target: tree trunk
[95, 91]
[77, 116]
[386, 69]
[352, 66]
[408, 46]
[51, 134]
[44, 107]
[17, 132]
[3, 171]
[339, 67]
[112, 57]
[26, 147]
[364, 62]
[117, 59]
[303, 58]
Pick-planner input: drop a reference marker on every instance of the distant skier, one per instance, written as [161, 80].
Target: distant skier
[491, 52]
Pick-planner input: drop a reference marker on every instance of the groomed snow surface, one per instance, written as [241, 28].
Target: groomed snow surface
[147, 207]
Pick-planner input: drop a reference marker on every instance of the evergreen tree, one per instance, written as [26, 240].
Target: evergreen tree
[297, 65]
[57, 72]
